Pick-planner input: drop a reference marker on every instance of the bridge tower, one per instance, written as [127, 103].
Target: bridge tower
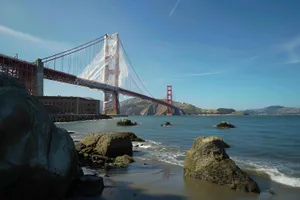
[169, 99]
[114, 72]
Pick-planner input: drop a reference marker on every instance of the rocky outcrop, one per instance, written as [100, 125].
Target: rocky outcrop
[132, 137]
[106, 150]
[122, 161]
[225, 125]
[167, 124]
[126, 122]
[88, 185]
[108, 144]
[37, 159]
[207, 160]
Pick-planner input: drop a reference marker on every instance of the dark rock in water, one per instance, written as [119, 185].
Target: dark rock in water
[88, 185]
[167, 124]
[225, 125]
[126, 122]
[208, 160]
[136, 145]
[37, 159]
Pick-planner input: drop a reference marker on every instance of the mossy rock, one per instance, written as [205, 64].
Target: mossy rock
[207, 160]
[132, 137]
[122, 161]
[126, 122]
[108, 144]
[225, 125]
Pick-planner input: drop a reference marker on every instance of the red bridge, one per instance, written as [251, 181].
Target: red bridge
[32, 74]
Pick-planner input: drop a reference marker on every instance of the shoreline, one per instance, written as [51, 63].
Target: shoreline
[76, 117]
[158, 180]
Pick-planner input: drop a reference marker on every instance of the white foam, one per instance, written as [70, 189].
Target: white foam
[270, 170]
[171, 157]
[154, 142]
[163, 153]
[174, 155]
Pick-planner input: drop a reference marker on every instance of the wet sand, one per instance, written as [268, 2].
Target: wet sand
[163, 181]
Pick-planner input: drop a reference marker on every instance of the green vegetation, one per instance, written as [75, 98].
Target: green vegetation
[225, 110]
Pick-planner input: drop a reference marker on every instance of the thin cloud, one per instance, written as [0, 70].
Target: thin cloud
[174, 8]
[199, 74]
[184, 76]
[53, 45]
[291, 48]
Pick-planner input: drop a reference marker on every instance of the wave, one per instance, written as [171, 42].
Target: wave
[163, 153]
[175, 156]
[274, 172]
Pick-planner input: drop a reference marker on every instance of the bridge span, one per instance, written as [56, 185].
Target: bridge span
[27, 72]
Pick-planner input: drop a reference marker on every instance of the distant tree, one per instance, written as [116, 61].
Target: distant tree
[225, 111]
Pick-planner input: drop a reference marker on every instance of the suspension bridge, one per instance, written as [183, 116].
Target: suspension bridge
[100, 64]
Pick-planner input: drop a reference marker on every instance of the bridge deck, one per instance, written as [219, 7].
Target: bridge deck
[26, 72]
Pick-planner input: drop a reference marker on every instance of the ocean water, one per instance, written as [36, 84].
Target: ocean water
[264, 145]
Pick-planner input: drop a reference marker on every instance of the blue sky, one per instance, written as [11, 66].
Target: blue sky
[234, 53]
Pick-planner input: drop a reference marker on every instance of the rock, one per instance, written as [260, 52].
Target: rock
[107, 144]
[126, 122]
[225, 125]
[96, 158]
[167, 124]
[37, 159]
[88, 185]
[207, 160]
[98, 150]
[122, 161]
[132, 137]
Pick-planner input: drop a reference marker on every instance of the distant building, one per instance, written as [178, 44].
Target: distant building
[70, 105]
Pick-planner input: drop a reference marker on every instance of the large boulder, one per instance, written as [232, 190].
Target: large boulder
[37, 159]
[106, 150]
[207, 160]
[132, 137]
[107, 144]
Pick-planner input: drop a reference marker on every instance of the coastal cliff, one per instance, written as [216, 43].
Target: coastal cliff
[273, 110]
[137, 106]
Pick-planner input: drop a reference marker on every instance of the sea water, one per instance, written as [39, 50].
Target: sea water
[265, 145]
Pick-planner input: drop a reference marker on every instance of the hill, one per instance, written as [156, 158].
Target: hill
[273, 110]
[137, 106]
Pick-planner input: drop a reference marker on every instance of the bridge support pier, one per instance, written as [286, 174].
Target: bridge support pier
[116, 103]
[169, 99]
[107, 109]
[39, 78]
[105, 103]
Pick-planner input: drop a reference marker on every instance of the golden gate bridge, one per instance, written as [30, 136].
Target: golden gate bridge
[84, 65]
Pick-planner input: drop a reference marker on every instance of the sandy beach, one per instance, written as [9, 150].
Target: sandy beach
[163, 181]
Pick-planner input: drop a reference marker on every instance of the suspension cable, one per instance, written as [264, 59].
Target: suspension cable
[134, 69]
[54, 58]
[136, 84]
[99, 38]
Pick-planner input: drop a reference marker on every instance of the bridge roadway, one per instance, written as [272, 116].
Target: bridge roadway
[51, 74]
[26, 71]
